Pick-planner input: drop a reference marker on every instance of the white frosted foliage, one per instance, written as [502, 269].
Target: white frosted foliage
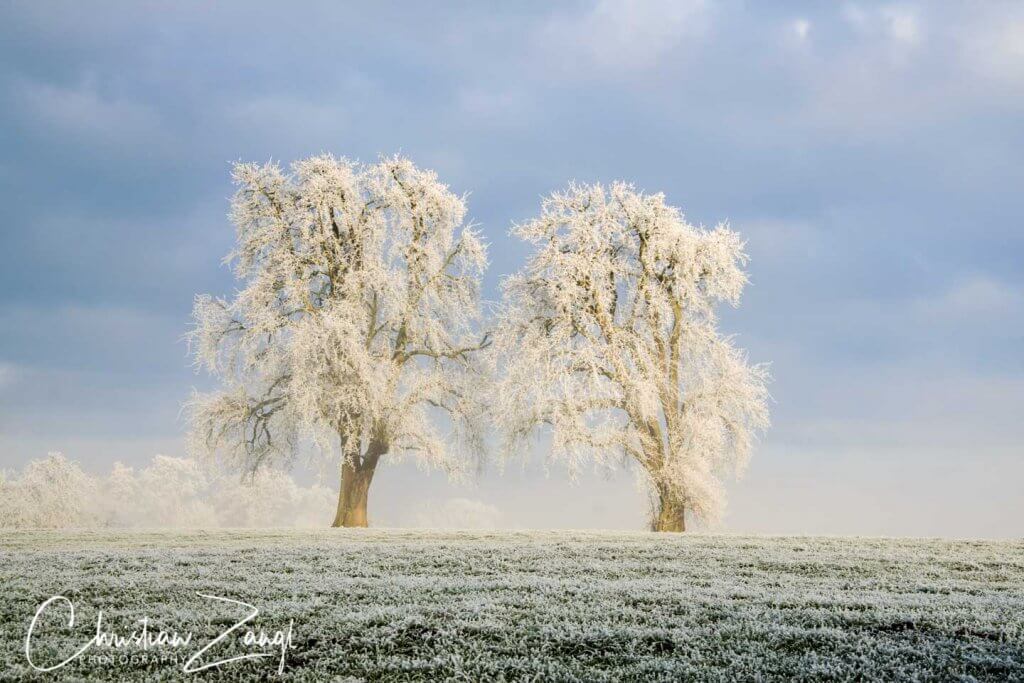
[356, 321]
[609, 337]
[167, 493]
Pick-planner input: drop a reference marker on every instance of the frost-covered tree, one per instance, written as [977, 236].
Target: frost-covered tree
[609, 337]
[53, 493]
[169, 492]
[355, 325]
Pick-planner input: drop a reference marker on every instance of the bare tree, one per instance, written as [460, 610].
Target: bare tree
[609, 337]
[356, 323]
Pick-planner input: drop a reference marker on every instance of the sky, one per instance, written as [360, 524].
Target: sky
[868, 152]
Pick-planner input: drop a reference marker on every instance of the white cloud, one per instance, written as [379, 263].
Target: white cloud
[899, 23]
[495, 106]
[87, 115]
[75, 326]
[800, 28]
[947, 320]
[7, 375]
[902, 24]
[626, 36]
[973, 297]
[994, 46]
[778, 243]
[291, 122]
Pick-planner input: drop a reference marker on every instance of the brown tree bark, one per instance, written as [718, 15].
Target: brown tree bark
[671, 513]
[354, 494]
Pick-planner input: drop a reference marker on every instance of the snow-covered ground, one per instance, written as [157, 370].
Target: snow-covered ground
[423, 605]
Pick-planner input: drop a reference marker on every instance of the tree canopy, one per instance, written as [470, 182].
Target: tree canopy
[356, 320]
[609, 337]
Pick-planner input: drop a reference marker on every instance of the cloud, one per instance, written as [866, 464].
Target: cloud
[490, 106]
[800, 28]
[871, 163]
[902, 24]
[625, 36]
[8, 375]
[993, 45]
[899, 23]
[83, 114]
[81, 337]
[289, 121]
[974, 297]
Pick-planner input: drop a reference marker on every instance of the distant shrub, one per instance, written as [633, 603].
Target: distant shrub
[55, 493]
[52, 493]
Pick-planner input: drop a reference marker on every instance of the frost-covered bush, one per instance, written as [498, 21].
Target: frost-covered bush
[51, 493]
[169, 492]
[272, 498]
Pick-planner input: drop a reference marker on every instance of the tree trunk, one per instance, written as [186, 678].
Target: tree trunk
[355, 487]
[671, 514]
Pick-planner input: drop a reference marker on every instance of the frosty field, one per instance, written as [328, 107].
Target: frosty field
[405, 605]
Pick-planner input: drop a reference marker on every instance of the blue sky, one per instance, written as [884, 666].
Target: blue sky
[870, 153]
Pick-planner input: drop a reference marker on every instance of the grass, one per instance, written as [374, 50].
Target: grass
[414, 605]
